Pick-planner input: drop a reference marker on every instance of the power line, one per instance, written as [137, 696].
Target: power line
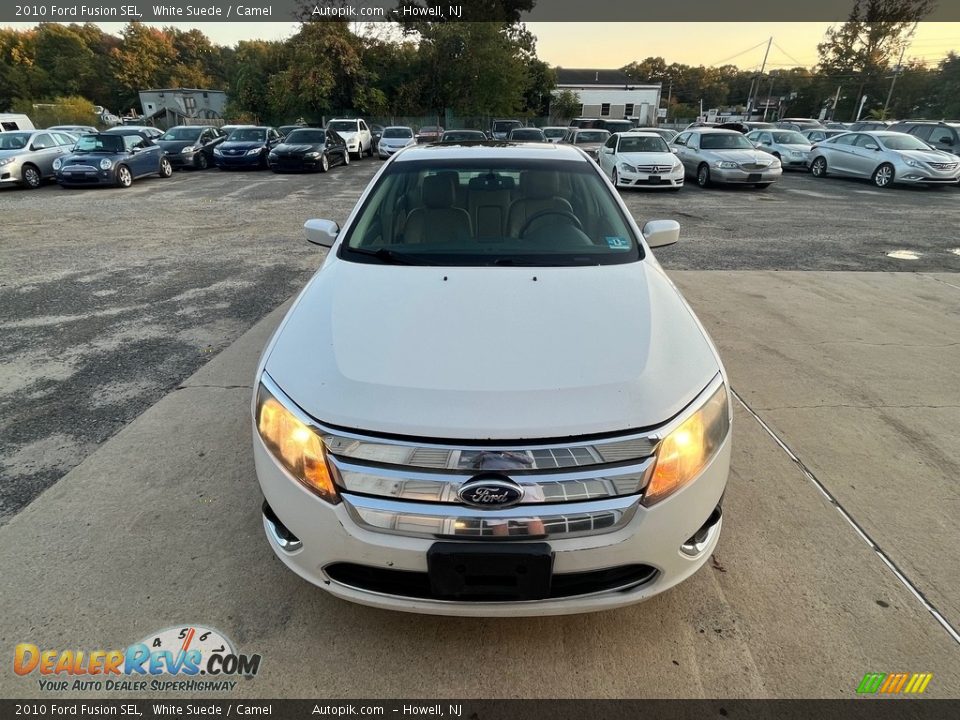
[720, 62]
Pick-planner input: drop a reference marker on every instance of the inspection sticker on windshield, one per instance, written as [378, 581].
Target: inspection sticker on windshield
[618, 243]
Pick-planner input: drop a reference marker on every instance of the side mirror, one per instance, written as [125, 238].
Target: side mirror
[946, 140]
[321, 232]
[658, 233]
[871, 146]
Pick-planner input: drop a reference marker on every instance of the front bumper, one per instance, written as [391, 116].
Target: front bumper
[293, 164]
[89, 177]
[237, 161]
[182, 160]
[794, 163]
[11, 172]
[924, 176]
[328, 536]
[384, 151]
[734, 176]
[654, 181]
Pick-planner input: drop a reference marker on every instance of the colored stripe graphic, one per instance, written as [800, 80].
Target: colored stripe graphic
[894, 683]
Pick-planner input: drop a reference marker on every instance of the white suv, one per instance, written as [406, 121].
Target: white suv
[491, 400]
[357, 135]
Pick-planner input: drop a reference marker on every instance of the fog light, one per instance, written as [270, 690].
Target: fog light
[287, 541]
[699, 541]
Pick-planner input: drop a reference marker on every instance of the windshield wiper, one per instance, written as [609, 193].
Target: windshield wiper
[391, 257]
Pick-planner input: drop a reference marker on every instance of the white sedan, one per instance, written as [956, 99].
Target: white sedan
[640, 159]
[491, 400]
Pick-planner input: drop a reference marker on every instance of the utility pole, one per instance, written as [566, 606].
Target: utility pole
[762, 68]
[836, 99]
[769, 96]
[897, 70]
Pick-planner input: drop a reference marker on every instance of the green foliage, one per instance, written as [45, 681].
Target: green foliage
[71, 110]
[565, 106]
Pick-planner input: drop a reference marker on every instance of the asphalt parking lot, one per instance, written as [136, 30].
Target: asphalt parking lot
[132, 321]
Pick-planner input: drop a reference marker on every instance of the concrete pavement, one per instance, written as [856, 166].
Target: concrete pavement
[160, 526]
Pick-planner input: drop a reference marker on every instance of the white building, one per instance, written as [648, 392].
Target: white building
[610, 93]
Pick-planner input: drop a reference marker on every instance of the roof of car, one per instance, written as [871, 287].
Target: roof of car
[493, 150]
[713, 131]
[644, 133]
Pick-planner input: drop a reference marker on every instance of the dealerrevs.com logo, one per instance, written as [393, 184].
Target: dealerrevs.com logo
[185, 658]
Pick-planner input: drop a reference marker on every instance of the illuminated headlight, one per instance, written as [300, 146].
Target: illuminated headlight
[312, 155]
[188, 149]
[7, 161]
[255, 151]
[106, 164]
[683, 453]
[627, 168]
[725, 164]
[295, 445]
[57, 164]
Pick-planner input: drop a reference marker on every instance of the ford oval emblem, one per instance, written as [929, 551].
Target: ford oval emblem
[490, 491]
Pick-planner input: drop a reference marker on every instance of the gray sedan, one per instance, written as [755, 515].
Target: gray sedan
[789, 147]
[26, 158]
[885, 158]
[724, 156]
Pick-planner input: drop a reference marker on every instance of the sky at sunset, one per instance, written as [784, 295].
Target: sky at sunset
[611, 45]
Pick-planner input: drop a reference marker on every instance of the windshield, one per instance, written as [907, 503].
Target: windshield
[491, 212]
[312, 137]
[248, 135]
[343, 125]
[724, 141]
[184, 133]
[614, 126]
[905, 142]
[503, 126]
[458, 135]
[526, 134]
[430, 129]
[790, 137]
[591, 136]
[642, 144]
[99, 143]
[14, 140]
[555, 132]
[395, 132]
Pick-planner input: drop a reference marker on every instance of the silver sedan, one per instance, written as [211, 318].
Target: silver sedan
[789, 147]
[724, 156]
[26, 158]
[885, 158]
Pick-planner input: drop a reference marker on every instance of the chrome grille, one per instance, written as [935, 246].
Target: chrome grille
[653, 168]
[753, 166]
[81, 168]
[943, 166]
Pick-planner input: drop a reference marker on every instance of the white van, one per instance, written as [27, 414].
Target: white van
[11, 122]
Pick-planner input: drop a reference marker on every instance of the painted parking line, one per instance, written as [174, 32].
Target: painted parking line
[811, 193]
[868, 192]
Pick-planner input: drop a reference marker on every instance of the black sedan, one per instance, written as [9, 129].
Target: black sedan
[246, 147]
[191, 145]
[309, 149]
[114, 158]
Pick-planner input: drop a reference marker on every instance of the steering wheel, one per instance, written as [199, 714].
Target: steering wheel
[543, 213]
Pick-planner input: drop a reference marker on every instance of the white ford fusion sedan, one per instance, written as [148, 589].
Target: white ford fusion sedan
[491, 400]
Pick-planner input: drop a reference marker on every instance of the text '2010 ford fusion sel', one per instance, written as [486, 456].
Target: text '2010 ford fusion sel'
[490, 399]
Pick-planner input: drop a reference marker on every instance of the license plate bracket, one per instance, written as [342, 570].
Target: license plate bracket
[754, 177]
[653, 179]
[468, 571]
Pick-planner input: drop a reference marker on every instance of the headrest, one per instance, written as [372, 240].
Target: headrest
[438, 191]
[539, 183]
[491, 181]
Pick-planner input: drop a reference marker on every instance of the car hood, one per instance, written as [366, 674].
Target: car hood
[175, 145]
[395, 142]
[347, 135]
[93, 156]
[740, 156]
[648, 158]
[297, 148]
[480, 353]
[796, 147]
[928, 156]
[241, 145]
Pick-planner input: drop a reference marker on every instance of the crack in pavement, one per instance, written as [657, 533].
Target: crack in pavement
[860, 407]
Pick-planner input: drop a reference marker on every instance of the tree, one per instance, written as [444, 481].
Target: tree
[565, 105]
[864, 47]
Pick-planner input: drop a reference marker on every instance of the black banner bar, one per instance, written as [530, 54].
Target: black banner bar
[202, 11]
[873, 708]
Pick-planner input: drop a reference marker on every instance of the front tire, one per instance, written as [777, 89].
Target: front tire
[166, 169]
[883, 176]
[324, 163]
[819, 168]
[124, 177]
[202, 163]
[346, 158]
[615, 179]
[703, 176]
[31, 177]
